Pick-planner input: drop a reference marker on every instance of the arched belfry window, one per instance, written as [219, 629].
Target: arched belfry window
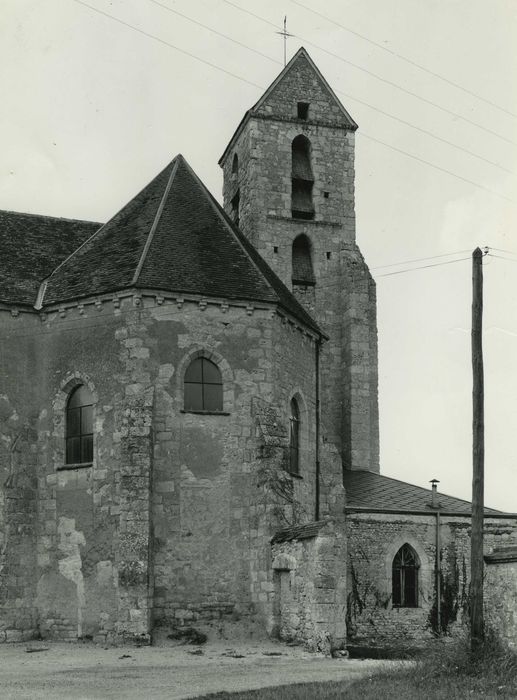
[235, 165]
[302, 262]
[294, 438]
[405, 578]
[302, 179]
[79, 426]
[203, 386]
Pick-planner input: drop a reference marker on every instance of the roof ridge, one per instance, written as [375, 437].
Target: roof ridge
[50, 216]
[239, 239]
[222, 215]
[157, 218]
[43, 286]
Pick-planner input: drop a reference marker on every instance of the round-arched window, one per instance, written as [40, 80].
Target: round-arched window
[79, 426]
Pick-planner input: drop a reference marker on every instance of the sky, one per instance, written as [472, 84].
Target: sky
[94, 107]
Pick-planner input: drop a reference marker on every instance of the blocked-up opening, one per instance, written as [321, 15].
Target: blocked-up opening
[235, 204]
[302, 262]
[302, 179]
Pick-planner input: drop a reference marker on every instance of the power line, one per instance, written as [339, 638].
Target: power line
[366, 104]
[422, 267]
[356, 99]
[249, 82]
[166, 43]
[415, 260]
[405, 58]
[503, 257]
[214, 31]
[437, 167]
[484, 128]
[428, 133]
[502, 250]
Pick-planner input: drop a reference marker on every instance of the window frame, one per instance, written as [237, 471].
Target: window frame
[295, 425]
[405, 578]
[86, 439]
[187, 407]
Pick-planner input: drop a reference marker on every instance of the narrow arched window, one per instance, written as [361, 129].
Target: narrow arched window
[79, 426]
[235, 165]
[405, 578]
[302, 263]
[203, 386]
[302, 179]
[294, 438]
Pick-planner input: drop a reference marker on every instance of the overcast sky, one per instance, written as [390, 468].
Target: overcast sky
[91, 110]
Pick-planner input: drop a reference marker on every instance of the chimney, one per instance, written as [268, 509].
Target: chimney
[434, 493]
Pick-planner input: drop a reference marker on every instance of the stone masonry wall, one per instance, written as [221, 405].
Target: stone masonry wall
[343, 299]
[310, 589]
[374, 539]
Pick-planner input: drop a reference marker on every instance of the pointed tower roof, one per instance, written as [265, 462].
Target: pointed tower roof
[300, 80]
[173, 236]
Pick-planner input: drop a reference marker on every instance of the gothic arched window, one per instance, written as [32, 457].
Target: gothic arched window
[294, 438]
[405, 578]
[235, 165]
[79, 426]
[302, 179]
[301, 259]
[203, 386]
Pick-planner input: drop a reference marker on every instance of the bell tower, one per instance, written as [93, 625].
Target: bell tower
[289, 184]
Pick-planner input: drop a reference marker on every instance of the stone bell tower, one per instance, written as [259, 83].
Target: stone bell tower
[289, 184]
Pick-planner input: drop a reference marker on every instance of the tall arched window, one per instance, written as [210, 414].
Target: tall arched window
[302, 263]
[79, 426]
[294, 438]
[302, 179]
[405, 578]
[203, 386]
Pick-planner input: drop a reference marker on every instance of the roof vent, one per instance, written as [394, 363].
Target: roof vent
[434, 493]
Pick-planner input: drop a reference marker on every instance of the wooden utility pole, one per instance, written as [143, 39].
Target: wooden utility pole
[478, 455]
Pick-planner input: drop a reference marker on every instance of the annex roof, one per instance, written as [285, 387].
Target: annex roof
[173, 236]
[30, 248]
[285, 83]
[368, 490]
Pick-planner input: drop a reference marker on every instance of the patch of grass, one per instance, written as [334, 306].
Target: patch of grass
[446, 671]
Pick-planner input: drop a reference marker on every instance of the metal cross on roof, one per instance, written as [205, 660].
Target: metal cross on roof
[285, 34]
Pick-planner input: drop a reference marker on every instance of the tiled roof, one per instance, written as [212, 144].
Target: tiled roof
[365, 489]
[30, 248]
[173, 236]
[298, 532]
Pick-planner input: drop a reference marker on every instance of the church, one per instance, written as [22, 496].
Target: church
[189, 428]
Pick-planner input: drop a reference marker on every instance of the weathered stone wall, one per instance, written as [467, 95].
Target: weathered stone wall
[310, 588]
[500, 588]
[374, 539]
[19, 401]
[343, 298]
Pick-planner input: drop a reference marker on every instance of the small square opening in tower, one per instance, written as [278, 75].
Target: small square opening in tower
[326, 195]
[303, 110]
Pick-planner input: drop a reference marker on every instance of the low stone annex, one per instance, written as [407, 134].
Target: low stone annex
[189, 416]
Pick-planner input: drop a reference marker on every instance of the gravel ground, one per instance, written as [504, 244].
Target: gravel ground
[92, 672]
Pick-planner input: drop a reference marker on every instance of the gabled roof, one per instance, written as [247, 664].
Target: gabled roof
[30, 248]
[173, 236]
[314, 84]
[367, 490]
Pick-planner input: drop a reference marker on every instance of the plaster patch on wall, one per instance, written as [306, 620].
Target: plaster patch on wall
[70, 565]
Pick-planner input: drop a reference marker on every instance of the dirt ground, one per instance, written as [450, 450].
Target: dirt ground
[88, 671]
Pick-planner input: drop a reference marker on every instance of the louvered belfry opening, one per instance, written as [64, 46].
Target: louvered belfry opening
[302, 262]
[302, 179]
